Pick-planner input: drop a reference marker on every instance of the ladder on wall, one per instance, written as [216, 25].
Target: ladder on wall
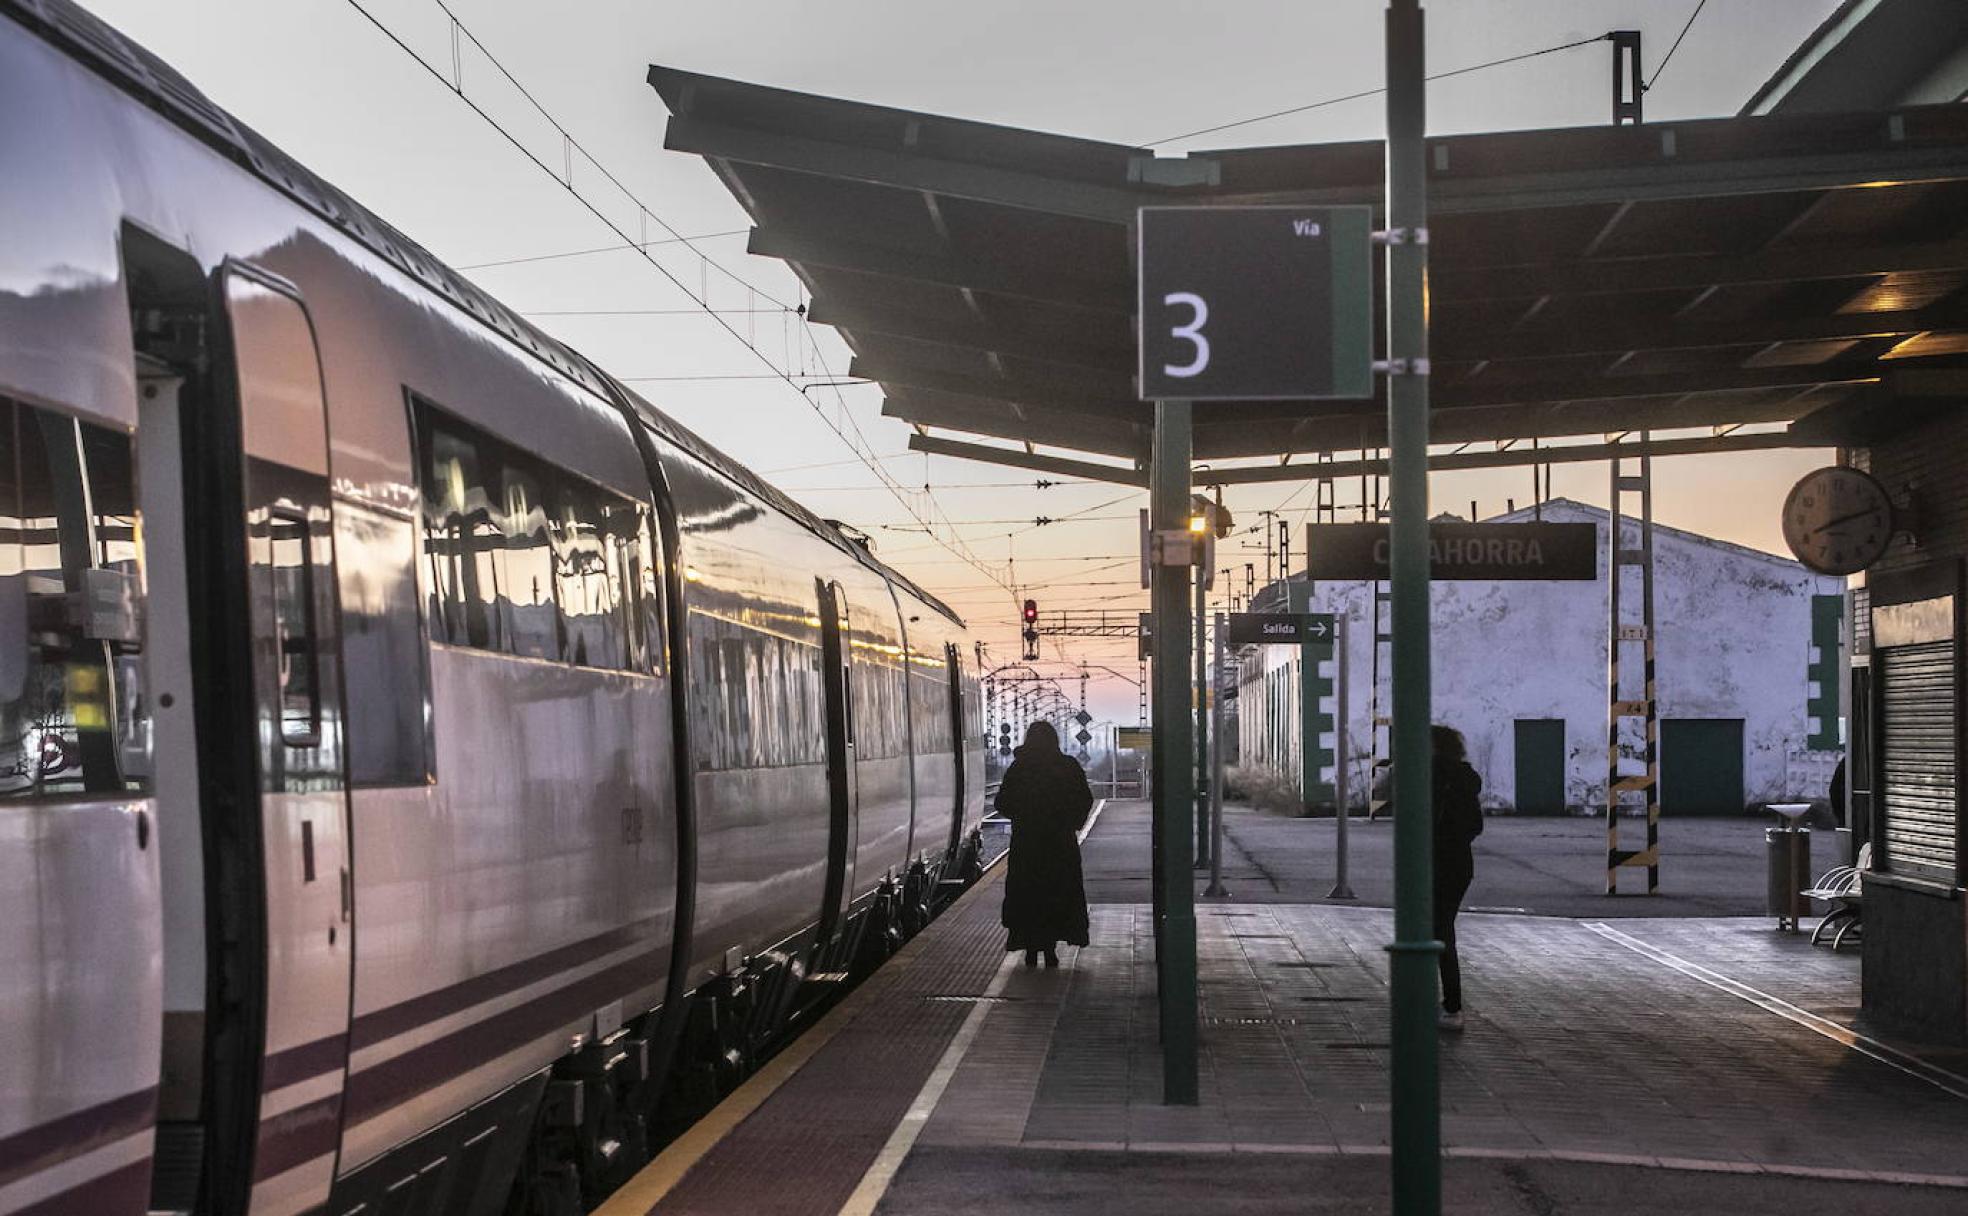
[1380, 722]
[1632, 723]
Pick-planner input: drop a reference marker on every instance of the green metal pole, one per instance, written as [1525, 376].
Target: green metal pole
[1417, 1123]
[1309, 653]
[1175, 776]
[1202, 714]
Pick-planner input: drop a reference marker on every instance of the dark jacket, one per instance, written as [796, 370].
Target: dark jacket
[1046, 798]
[1458, 815]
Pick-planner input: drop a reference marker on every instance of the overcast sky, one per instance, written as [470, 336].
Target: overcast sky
[320, 80]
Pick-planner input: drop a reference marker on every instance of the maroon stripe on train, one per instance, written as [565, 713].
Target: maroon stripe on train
[373, 1028]
[124, 1190]
[33, 1149]
[304, 1062]
[298, 1136]
[394, 1081]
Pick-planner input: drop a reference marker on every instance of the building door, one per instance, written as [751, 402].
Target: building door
[1701, 769]
[1540, 766]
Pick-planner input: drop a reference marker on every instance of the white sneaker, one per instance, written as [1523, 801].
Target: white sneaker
[1450, 1022]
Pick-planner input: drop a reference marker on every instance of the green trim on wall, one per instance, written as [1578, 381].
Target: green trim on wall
[1827, 618]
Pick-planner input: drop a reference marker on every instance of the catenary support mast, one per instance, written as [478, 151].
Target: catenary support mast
[1417, 1162]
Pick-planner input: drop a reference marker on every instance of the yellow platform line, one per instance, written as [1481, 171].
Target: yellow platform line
[875, 1182]
[640, 1194]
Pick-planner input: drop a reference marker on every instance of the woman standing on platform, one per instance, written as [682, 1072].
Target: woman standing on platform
[1046, 798]
[1458, 822]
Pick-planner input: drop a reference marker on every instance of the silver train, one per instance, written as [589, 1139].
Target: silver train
[427, 773]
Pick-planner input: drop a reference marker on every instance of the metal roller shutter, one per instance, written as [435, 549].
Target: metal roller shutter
[1918, 782]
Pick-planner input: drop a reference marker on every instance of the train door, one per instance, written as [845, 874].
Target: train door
[956, 711]
[843, 836]
[259, 549]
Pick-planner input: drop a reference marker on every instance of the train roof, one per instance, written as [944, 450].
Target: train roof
[89, 39]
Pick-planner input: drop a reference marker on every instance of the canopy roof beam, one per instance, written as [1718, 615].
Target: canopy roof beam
[906, 171]
[1512, 458]
[1693, 272]
[1606, 336]
[1016, 459]
[977, 334]
[972, 274]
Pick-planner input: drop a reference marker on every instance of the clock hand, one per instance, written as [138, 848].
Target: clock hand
[1843, 519]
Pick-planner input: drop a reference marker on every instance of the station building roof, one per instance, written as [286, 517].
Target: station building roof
[1809, 271]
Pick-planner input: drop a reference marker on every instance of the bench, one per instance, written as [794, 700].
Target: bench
[1840, 887]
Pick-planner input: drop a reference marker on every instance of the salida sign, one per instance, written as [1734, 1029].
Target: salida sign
[1273, 628]
[1459, 551]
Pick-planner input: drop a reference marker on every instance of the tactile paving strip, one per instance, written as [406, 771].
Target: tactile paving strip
[804, 1151]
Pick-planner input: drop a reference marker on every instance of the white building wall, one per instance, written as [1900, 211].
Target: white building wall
[1734, 642]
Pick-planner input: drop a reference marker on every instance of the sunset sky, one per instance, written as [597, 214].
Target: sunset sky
[321, 81]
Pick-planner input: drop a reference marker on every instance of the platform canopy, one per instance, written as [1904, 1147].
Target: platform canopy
[1725, 274]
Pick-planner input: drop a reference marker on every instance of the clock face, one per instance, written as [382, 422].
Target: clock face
[1838, 520]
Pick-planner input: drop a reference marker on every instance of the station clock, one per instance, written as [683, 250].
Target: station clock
[1838, 520]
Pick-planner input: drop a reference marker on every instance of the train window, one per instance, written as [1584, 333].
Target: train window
[878, 702]
[929, 705]
[73, 719]
[586, 579]
[973, 700]
[536, 625]
[464, 544]
[295, 646]
[383, 660]
[528, 559]
[643, 578]
[764, 705]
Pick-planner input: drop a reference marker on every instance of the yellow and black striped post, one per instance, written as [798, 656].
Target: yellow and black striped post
[1620, 709]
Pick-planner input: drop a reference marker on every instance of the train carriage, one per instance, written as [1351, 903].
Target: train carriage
[426, 771]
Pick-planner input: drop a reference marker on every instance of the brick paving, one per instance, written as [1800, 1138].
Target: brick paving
[1581, 1052]
[1581, 1055]
[1597, 1075]
[1577, 1046]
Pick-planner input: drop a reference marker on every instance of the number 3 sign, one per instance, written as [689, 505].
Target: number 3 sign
[1252, 303]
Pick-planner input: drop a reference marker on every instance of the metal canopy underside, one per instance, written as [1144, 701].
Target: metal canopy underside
[1583, 281]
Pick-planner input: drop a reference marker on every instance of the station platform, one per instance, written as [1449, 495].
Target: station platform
[1648, 1064]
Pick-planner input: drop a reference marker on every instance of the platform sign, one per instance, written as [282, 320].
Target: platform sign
[1459, 551]
[1255, 303]
[1278, 628]
[1133, 738]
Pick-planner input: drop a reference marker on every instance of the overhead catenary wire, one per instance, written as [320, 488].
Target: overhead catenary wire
[650, 312]
[959, 485]
[1374, 92]
[1669, 57]
[581, 253]
[570, 145]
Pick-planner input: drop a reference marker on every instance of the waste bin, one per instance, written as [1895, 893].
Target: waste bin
[1790, 873]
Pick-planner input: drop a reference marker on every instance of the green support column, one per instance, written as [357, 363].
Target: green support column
[1203, 694]
[1417, 1159]
[1175, 775]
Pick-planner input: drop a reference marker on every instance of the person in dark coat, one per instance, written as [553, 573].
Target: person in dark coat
[1458, 822]
[1046, 798]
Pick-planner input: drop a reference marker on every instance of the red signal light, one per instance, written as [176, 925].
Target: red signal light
[1031, 611]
